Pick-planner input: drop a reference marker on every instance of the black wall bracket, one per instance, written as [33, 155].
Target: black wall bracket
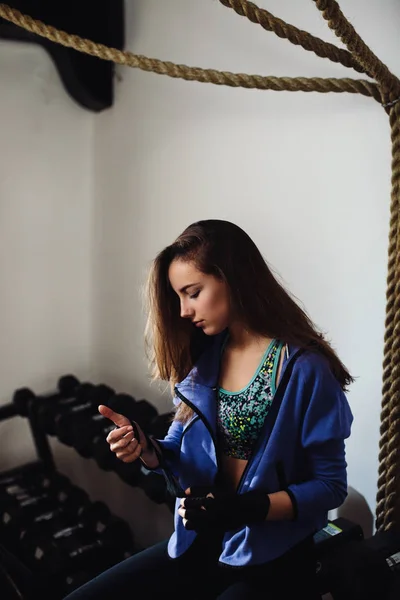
[89, 80]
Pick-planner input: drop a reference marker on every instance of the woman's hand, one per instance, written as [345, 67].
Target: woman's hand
[122, 439]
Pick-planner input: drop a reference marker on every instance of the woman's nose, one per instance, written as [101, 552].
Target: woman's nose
[186, 311]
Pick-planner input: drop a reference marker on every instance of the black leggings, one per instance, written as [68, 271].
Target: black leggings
[153, 574]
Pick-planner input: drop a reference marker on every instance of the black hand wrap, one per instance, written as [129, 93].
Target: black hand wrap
[137, 436]
[217, 510]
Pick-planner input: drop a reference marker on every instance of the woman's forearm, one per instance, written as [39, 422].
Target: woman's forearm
[281, 507]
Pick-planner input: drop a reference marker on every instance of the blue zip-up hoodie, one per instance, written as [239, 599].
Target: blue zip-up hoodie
[301, 449]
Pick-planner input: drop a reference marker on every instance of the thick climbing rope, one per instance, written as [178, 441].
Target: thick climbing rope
[387, 504]
[293, 34]
[154, 65]
[331, 12]
[388, 496]
[386, 90]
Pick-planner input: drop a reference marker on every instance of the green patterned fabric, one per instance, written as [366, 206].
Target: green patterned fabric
[241, 414]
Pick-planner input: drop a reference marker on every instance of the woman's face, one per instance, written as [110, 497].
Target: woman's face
[204, 299]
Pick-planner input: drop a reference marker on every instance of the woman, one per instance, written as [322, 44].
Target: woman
[255, 453]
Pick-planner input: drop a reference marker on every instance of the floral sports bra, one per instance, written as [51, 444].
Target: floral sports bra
[241, 415]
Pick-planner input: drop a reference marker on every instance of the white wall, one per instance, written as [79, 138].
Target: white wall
[46, 206]
[307, 175]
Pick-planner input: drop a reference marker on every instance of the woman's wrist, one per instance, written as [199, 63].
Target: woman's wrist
[149, 456]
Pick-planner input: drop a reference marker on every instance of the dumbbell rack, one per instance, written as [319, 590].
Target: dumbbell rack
[17, 580]
[42, 446]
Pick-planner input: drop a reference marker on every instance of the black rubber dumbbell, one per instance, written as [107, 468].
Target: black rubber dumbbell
[17, 512]
[35, 481]
[66, 387]
[107, 461]
[92, 515]
[95, 517]
[52, 406]
[84, 549]
[41, 522]
[85, 432]
[28, 472]
[130, 473]
[100, 449]
[159, 426]
[78, 415]
[60, 493]
[140, 411]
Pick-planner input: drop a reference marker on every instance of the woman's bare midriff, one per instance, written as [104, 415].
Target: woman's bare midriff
[232, 471]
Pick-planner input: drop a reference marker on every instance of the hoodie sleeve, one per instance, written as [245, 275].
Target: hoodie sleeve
[326, 424]
[171, 446]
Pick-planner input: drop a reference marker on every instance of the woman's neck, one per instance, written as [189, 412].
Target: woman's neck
[241, 338]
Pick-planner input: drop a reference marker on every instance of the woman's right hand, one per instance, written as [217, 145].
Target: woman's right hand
[122, 439]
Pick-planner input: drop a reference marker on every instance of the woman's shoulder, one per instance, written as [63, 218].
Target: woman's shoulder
[313, 367]
[312, 359]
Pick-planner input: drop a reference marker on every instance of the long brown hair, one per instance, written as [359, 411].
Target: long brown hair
[224, 250]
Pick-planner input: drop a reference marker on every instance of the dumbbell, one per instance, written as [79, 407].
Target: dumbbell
[86, 432]
[97, 447]
[24, 396]
[52, 406]
[140, 411]
[31, 493]
[107, 461]
[130, 473]
[100, 449]
[17, 512]
[159, 426]
[34, 480]
[92, 515]
[42, 522]
[78, 415]
[94, 518]
[84, 549]
[28, 472]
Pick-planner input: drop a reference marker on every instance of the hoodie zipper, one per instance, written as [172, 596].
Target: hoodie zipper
[261, 436]
[208, 426]
[206, 423]
[283, 379]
